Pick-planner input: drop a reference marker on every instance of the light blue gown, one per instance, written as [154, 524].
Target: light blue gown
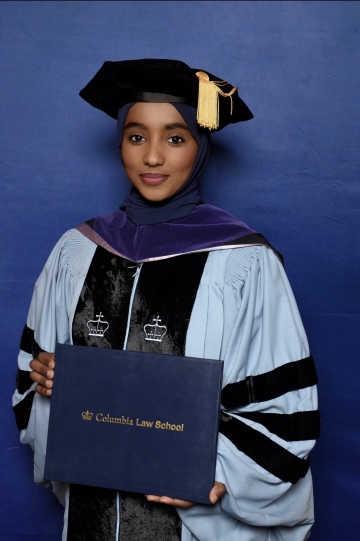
[245, 314]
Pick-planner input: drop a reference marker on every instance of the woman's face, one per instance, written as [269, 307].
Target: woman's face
[158, 150]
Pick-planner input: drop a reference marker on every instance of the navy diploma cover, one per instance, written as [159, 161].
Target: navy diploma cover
[140, 422]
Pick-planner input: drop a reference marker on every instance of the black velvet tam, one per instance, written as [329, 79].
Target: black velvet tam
[156, 80]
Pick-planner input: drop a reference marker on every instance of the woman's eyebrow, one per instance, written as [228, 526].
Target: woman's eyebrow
[174, 126]
[134, 125]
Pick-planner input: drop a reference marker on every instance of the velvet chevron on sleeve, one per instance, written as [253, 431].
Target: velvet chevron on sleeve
[24, 392]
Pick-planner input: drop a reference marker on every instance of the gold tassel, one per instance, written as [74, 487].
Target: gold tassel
[208, 101]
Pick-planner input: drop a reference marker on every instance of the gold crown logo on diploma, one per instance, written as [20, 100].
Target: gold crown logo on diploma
[87, 415]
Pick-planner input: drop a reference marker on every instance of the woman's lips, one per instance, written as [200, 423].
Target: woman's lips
[153, 179]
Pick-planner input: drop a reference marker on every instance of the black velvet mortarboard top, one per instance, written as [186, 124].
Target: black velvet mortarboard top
[158, 80]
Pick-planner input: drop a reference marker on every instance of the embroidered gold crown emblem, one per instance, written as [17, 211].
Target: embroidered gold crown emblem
[97, 327]
[156, 332]
[87, 415]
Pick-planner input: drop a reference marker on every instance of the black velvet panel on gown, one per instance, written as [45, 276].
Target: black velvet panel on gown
[106, 291]
[92, 514]
[166, 291]
[141, 520]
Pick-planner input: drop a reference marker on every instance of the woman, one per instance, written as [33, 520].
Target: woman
[221, 292]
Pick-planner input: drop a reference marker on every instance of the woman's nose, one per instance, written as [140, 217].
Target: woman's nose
[153, 155]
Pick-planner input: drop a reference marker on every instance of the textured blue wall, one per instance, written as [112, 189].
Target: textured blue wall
[291, 173]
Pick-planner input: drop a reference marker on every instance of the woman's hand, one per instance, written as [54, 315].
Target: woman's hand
[169, 501]
[43, 372]
[217, 492]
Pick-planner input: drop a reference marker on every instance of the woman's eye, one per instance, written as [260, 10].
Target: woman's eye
[137, 138]
[175, 139]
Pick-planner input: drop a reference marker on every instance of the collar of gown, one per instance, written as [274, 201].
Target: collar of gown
[206, 228]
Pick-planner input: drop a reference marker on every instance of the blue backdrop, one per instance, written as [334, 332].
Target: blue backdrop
[291, 173]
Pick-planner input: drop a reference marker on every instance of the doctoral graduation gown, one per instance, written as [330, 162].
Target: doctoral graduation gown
[244, 313]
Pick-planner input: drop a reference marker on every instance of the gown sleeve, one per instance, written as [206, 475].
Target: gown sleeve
[246, 314]
[47, 323]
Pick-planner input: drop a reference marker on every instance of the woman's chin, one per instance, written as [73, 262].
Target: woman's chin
[154, 197]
